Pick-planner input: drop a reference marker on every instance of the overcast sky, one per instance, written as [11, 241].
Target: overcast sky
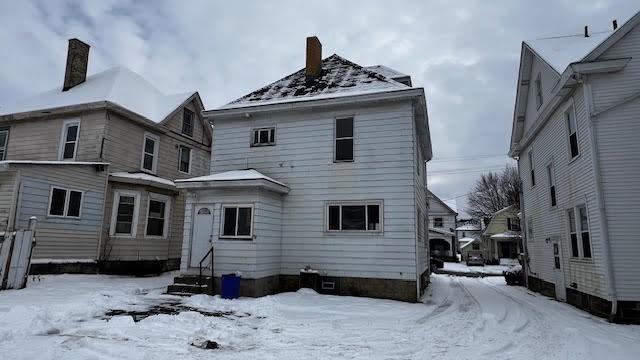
[464, 53]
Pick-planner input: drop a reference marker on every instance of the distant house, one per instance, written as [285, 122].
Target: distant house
[575, 136]
[469, 234]
[442, 222]
[95, 161]
[321, 170]
[501, 239]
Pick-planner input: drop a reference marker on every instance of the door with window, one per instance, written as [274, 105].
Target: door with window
[558, 272]
[202, 231]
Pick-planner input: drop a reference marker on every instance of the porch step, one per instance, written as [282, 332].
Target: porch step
[182, 289]
[191, 279]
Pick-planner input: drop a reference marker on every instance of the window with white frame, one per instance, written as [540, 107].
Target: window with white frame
[187, 122]
[263, 136]
[4, 141]
[354, 216]
[513, 224]
[150, 147]
[65, 202]
[343, 140]
[532, 169]
[572, 132]
[184, 161]
[69, 140]
[438, 222]
[158, 215]
[124, 217]
[579, 232]
[237, 221]
[538, 84]
[551, 174]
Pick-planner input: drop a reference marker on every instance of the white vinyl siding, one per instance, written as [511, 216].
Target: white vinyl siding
[69, 140]
[150, 147]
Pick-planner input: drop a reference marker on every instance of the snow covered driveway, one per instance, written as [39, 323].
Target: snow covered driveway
[62, 317]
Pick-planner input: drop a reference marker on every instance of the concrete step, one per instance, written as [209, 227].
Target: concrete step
[181, 289]
[191, 279]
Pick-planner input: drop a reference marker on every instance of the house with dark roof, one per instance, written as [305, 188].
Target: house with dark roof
[318, 178]
[443, 242]
[575, 137]
[95, 161]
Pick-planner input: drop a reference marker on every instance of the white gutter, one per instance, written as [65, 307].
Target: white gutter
[604, 227]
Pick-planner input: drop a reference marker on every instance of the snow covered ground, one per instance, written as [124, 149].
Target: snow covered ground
[463, 268]
[62, 317]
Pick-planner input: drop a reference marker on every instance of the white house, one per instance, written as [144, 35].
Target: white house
[442, 222]
[575, 136]
[323, 169]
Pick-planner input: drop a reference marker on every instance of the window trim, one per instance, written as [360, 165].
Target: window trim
[579, 230]
[167, 215]
[441, 224]
[63, 139]
[570, 108]
[258, 129]
[352, 137]
[364, 203]
[67, 197]
[156, 151]
[193, 122]
[114, 213]
[180, 149]
[222, 219]
[6, 130]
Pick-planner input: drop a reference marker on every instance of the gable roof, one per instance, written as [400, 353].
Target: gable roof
[118, 85]
[431, 195]
[567, 57]
[340, 77]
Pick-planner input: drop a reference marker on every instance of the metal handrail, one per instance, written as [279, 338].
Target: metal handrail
[210, 252]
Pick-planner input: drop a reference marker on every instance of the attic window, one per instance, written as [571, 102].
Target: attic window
[438, 222]
[187, 122]
[538, 91]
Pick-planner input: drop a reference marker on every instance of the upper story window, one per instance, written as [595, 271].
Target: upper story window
[150, 148]
[4, 141]
[184, 161]
[579, 232]
[343, 140]
[187, 122]
[65, 203]
[237, 221]
[263, 136]
[532, 168]
[513, 224]
[538, 83]
[438, 222]
[124, 216]
[354, 216]
[572, 131]
[551, 174]
[69, 140]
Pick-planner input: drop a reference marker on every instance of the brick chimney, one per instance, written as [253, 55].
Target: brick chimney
[77, 61]
[314, 58]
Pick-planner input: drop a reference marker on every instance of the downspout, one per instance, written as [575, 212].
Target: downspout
[604, 227]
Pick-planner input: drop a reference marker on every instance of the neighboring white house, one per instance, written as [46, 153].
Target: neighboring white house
[575, 135]
[442, 223]
[323, 169]
[502, 238]
[468, 229]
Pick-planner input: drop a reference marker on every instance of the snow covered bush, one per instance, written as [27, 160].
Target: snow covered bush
[514, 275]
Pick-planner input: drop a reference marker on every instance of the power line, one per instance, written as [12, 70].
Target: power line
[465, 170]
[474, 157]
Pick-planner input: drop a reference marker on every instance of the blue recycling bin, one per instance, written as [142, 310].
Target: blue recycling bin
[230, 286]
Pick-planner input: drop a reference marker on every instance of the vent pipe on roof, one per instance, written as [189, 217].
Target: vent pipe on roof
[313, 67]
[615, 24]
[77, 63]
[586, 31]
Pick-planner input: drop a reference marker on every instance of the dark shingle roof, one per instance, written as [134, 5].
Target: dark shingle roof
[340, 77]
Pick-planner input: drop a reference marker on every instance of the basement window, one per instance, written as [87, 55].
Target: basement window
[352, 216]
[263, 137]
[343, 151]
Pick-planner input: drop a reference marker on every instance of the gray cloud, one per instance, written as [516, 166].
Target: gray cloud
[465, 54]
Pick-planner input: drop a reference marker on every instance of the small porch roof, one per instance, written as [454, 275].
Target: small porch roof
[142, 179]
[234, 178]
[508, 235]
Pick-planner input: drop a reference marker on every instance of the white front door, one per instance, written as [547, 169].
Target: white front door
[202, 230]
[558, 273]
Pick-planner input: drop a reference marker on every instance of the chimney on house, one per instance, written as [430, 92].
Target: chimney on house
[615, 24]
[586, 31]
[313, 68]
[77, 61]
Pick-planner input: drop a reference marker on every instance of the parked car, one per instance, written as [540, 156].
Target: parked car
[475, 258]
[436, 264]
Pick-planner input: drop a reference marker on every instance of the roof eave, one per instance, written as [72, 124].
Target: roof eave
[233, 184]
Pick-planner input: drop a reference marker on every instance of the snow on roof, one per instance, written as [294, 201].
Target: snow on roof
[142, 177]
[441, 231]
[340, 77]
[468, 227]
[464, 242]
[118, 85]
[506, 235]
[559, 52]
[386, 71]
[234, 175]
